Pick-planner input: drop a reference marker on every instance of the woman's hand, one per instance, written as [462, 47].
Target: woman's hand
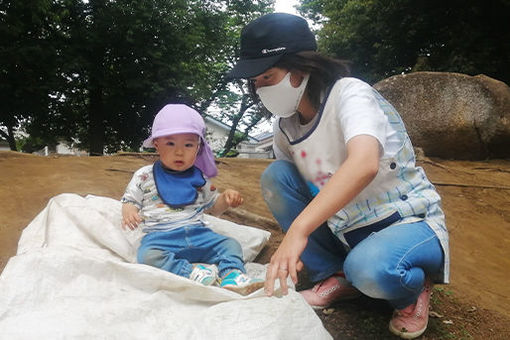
[130, 216]
[285, 261]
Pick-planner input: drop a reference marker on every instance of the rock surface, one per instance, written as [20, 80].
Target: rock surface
[451, 115]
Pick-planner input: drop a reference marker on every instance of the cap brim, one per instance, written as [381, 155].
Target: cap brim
[248, 68]
[148, 143]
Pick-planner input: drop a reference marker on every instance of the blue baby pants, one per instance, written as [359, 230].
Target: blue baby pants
[177, 249]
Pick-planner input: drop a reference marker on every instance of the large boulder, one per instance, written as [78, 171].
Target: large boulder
[451, 115]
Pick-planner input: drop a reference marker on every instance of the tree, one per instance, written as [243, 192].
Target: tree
[237, 106]
[136, 56]
[240, 110]
[28, 62]
[383, 38]
[113, 64]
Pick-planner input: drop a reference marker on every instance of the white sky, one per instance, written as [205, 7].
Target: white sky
[285, 6]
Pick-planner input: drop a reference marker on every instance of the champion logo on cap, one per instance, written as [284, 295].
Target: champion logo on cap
[265, 40]
[278, 49]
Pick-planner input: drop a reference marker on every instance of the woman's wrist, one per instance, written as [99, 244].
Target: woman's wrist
[300, 229]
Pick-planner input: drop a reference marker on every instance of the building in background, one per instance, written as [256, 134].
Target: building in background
[4, 145]
[260, 146]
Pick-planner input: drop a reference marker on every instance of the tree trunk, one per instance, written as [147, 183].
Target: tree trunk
[9, 136]
[96, 111]
[229, 144]
[96, 124]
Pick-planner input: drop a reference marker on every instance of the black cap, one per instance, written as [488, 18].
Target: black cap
[266, 39]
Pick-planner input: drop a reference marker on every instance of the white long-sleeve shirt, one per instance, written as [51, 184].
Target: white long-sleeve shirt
[158, 216]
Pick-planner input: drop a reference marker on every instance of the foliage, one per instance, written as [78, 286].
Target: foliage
[97, 71]
[232, 154]
[30, 144]
[28, 60]
[248, 114]
[383, 38]
[236, 107]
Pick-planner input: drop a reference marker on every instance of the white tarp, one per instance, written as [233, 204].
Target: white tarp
[75, 277]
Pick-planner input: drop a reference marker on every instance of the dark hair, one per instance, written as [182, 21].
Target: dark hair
[324, 72]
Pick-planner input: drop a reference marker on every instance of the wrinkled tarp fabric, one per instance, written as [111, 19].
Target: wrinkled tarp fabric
[75, 276]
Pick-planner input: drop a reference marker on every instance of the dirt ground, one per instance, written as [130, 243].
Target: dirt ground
[476, 199]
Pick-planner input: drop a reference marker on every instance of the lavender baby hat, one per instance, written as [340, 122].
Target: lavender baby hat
[179, 118]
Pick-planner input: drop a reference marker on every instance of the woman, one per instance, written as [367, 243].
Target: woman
[357, 212]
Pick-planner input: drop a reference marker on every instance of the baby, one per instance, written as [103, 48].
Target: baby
[168, 200]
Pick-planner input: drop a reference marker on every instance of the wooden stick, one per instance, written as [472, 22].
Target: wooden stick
[502, 187]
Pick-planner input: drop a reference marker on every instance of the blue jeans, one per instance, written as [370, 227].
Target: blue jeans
[389, 264]
[287, 194]
[177, 249]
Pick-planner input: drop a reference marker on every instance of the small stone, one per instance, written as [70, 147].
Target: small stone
[328, 311]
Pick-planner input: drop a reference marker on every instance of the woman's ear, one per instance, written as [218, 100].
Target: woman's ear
[296, 77]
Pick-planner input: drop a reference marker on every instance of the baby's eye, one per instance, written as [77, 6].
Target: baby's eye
[190, 145]
[170, 143]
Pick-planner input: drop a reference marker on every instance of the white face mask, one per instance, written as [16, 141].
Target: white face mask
[282, 99]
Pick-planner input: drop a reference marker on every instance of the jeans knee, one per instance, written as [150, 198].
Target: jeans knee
[368, 274]
[152, 257]
[275, 177]
[276, 172]
[233, 247]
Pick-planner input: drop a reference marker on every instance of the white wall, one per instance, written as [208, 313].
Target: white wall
[216, 136]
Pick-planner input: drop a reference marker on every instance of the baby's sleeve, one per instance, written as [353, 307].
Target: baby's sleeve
[210, 194]
[134, 192]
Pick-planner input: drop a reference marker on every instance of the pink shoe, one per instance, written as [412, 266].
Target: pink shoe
[334, 288]
[411, 322]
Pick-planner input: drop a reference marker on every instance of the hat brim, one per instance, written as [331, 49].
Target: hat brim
[248, 68]
[149, 142]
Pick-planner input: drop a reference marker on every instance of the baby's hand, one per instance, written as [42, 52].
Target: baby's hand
[233, 198]
[130, 216]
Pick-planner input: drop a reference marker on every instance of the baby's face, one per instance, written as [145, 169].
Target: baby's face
[178, 152]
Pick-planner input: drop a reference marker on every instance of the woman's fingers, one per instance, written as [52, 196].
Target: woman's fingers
[293, 271]
[270, 278]
[283, 272]
[284, 262]
[280, 271]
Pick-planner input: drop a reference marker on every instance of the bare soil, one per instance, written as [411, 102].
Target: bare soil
[476, 199]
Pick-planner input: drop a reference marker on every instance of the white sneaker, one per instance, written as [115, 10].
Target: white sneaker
[205, 275]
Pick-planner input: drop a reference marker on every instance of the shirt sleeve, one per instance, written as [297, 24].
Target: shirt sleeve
[134, 192]
[359, 112]
[210, 194]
